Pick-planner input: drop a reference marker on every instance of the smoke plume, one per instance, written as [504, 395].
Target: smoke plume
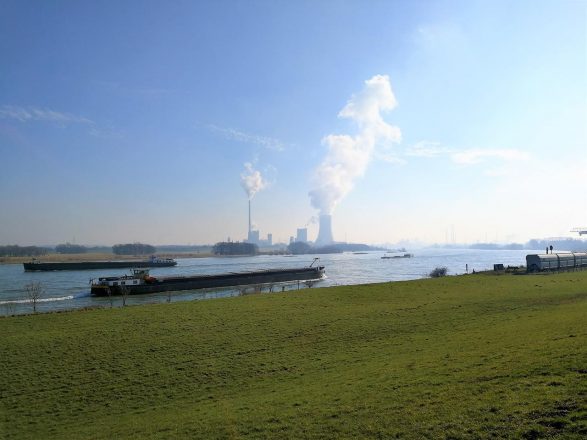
[348, 156]
[252, 181]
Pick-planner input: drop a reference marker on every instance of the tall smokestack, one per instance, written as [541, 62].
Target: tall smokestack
[325, 231]
[249, 232]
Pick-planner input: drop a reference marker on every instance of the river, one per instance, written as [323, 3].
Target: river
[67, 290]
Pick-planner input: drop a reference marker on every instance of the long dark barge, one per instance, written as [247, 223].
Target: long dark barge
[141, 282]
[88, 265]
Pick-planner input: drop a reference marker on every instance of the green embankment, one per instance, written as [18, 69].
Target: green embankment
[477, 356]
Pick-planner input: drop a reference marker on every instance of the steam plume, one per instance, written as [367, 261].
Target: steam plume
[312, 221]
[348, 156]
[252, 181]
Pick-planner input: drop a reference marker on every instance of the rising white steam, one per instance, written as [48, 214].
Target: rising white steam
[252, 181]
[312, 221]
[348, 156]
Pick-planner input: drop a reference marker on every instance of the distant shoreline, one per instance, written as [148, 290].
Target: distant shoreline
[93, 256]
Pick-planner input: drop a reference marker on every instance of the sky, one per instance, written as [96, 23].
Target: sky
[429, 121]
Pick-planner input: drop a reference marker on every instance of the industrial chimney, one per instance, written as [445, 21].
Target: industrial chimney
[249, 231]
[325, 231]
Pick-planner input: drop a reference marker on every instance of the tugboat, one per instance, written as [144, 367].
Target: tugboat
[140, 281]
[153, 261]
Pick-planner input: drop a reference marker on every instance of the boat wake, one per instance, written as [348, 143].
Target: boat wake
[81, 295]
[40, 300]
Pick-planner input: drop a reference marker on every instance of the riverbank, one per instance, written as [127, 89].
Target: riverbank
[476, 356]
[94, 256]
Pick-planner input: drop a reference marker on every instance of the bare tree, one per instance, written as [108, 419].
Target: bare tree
[124, 293]
[34, 292]
[110, 298]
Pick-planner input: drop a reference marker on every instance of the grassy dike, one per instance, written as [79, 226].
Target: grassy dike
[476, 356]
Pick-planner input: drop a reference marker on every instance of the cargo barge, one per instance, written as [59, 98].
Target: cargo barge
[139, 281]
[387, 256]
[36, 265]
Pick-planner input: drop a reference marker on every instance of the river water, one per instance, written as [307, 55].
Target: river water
[66, 290]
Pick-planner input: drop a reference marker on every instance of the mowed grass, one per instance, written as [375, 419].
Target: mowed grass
[476, 356]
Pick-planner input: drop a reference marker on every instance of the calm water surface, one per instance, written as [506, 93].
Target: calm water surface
[65, 290]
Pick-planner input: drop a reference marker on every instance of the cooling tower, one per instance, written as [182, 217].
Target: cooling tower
[325, 232]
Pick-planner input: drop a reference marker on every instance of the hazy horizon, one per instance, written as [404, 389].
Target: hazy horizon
[432, 122]
[412, 244]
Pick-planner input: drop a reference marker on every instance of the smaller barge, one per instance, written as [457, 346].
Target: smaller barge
[154, 261]
[141, 282]
[387, 256]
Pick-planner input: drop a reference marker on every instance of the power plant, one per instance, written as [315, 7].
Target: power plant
[325, 231]
[252, 182]
[325, 237]
[253, 235]
[302, 235]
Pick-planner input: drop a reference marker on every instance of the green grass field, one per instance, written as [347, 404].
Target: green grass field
[476, 356]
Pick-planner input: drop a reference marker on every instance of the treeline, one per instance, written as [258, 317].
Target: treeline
[558, 244]
[169, 248]
[494, 246]
[23, 251]
[133, 249]
[68, 248]
[235, 248]
[301, 248]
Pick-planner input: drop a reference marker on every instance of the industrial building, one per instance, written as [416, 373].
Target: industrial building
[302, 235]
[253, 235]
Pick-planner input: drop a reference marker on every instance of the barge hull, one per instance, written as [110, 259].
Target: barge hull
[215, 281]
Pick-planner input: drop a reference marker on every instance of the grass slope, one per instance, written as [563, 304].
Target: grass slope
[459, 357]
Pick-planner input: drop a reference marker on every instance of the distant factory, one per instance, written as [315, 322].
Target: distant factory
[253, 235]
[325, 236]
[302, 235]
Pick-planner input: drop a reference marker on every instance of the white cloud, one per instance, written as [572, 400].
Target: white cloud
[469, 156]
[26, 114]
[263, 141]
[477, 155]
[427, 149]
[390, 158]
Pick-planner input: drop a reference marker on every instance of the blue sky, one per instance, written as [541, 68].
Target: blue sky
[134, 121]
